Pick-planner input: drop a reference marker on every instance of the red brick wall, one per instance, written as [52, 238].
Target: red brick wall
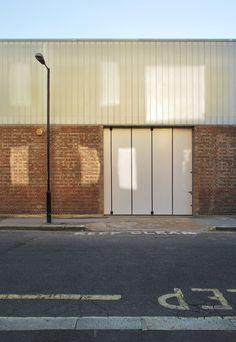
[23, 178]
[214, 170]
[76, 170]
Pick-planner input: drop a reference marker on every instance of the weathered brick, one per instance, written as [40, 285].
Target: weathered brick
[214, 170]
[75, 150]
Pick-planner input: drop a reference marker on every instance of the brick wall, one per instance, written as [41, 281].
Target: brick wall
[23, 177]
[214, 170]
[76, 170]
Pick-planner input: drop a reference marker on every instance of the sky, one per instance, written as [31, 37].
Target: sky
[130, 19]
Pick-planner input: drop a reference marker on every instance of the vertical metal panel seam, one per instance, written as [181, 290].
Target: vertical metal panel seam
[180, 84]
[168, 63]
[162, 84]
[174, 85]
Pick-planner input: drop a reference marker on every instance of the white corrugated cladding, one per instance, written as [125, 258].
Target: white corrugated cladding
[119, 82]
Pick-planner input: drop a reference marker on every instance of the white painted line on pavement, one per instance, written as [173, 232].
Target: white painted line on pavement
[118, 323]
[135, 232]
[40, 296]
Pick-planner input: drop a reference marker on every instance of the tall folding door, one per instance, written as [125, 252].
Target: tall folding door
[182, 171]
[141, 172]
[148, 171]
[162, 171]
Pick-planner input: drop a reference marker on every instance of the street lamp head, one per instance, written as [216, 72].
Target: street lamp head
[40, 58]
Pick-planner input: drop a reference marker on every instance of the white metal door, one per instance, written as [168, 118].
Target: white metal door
[182, 171]
[141, 171]
[162, 171]
[107, 171]
[148, 171]
[121, 171]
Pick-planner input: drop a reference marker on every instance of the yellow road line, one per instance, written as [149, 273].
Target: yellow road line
[58, 297]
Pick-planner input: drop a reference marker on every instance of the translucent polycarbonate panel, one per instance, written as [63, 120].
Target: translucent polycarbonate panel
[182, 171]
[119, 82]
[121, 171]
[141, 171]
[162, 171]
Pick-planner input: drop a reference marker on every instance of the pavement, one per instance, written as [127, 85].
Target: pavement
[121, 223]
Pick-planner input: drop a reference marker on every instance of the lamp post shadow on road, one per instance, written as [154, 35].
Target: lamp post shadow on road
[40, 59]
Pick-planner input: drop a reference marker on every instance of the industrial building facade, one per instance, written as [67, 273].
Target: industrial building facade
[138, 127]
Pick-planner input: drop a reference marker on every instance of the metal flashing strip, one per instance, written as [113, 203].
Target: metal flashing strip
[135, 40]
[141, 323]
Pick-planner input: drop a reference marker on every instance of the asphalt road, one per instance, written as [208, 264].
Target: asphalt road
[165, 278]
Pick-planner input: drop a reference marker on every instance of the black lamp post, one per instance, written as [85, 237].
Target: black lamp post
[41, 60]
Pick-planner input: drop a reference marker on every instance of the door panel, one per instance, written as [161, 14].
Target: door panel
[107, 171]
[121, 171]
[162, 171]
[182, 171]
[141, 171]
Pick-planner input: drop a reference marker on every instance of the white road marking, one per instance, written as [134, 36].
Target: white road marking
[218, 296]
[136, 232]
[178, 294]
[40, 296]
[118, 323]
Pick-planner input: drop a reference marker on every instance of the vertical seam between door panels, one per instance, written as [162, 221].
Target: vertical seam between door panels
[172, 170]
[111, 156]
[152, 212]
[131, 152]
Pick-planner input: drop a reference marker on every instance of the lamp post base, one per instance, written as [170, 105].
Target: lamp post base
[49, 216]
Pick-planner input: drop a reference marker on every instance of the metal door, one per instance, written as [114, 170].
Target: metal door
[162, 171]
[141, 172]
[148, 171]
[121, 184]
[182, 171]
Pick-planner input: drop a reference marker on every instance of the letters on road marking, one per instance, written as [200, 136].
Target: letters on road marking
[135, 232]
[218, 296]
[178, 294]
[222, 303]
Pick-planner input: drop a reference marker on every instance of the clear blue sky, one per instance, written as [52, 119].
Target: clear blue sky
[118, 19]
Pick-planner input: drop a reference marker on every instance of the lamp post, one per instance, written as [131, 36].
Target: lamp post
[41, 60]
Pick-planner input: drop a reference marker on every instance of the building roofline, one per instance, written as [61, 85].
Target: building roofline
[114, 40]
